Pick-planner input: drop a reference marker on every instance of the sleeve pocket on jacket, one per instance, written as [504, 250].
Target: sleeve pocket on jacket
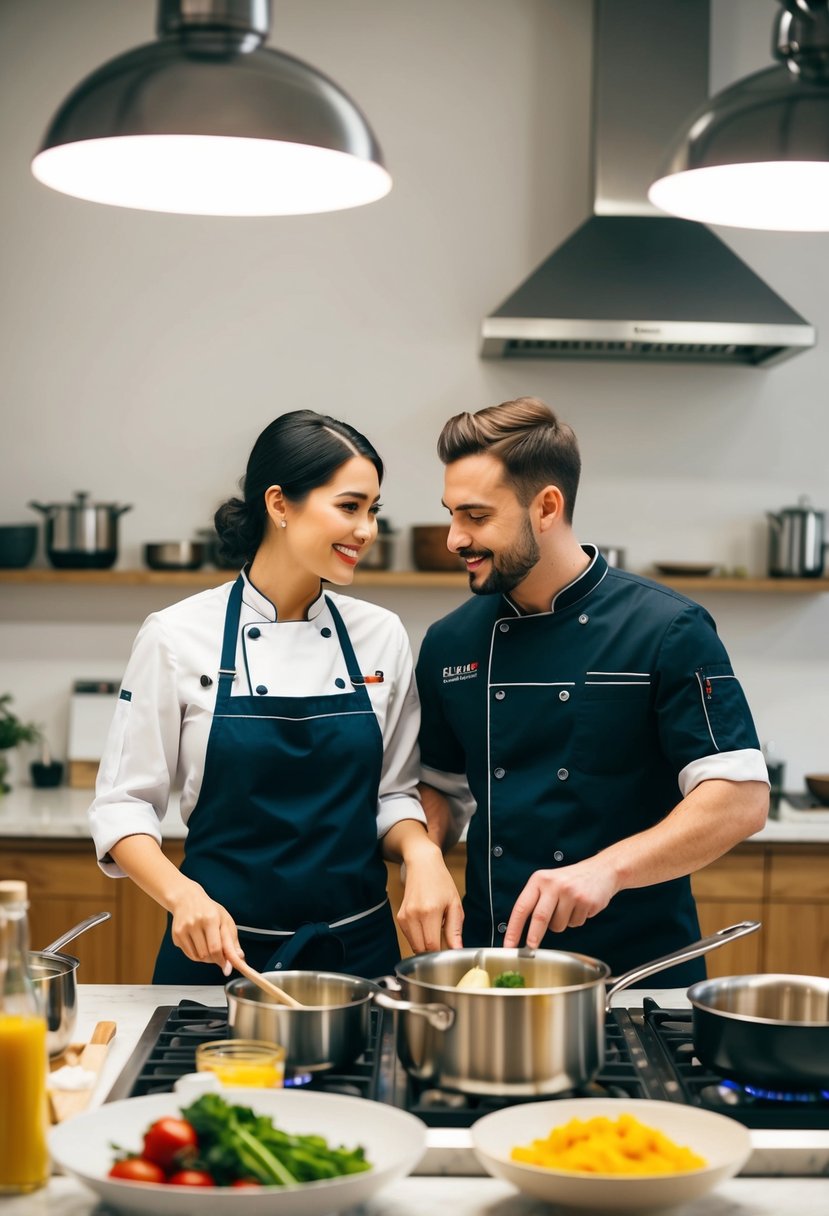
[725, 707]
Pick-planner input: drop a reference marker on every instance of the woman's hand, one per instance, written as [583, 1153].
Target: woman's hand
[431, 905]
[203, 929]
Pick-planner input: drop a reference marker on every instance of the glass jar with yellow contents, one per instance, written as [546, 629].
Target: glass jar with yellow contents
[243, 1062]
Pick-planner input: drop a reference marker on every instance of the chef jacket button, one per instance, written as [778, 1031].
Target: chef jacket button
[326, 632]
[497, 851]
[205, 681]
[261, 689]
[563, 774]
[339, 683]
[502, 926]
[558, 855]
[498, 773]
[254, 633]
[504, 627]
[584, 618]
[564, 695]
[500, 694]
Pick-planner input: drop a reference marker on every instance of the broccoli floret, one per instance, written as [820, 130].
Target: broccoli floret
[509, 979]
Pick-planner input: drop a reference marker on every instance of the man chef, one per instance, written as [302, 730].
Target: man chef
[588, 717]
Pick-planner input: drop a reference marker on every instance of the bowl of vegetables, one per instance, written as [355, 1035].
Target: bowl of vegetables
[611, 1155]
[252, 1151]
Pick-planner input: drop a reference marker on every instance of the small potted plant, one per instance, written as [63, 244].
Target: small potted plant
[12, 732]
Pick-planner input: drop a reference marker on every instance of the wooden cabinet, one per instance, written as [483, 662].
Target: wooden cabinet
[784, 886]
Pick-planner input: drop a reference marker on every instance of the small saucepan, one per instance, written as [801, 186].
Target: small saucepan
[545, 1038]
[330, 1031]
[54, 977]
[767, 1030]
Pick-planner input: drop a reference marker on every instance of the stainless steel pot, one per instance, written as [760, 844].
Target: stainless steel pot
[331, 1033]
[53, 975]
[54, 979]
[81, 535]
[768, 1030]
[796, 548]
[542, 1039]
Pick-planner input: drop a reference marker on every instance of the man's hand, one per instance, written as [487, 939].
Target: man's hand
[560, 899]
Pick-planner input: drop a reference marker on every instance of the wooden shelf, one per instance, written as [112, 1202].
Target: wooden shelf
[198, 580]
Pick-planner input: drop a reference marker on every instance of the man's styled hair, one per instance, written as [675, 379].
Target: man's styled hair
[535, 447]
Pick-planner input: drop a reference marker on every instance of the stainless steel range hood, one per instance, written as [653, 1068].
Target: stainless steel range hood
[631, 283]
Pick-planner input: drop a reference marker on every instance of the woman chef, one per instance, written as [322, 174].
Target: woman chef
[288, 716]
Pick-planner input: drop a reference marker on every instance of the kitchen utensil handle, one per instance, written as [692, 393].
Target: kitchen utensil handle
[75, 931]
[439, 1016]
[720, 938]
[266, 985]
[39, 506]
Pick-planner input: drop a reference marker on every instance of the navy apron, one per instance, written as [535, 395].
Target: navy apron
[284, 831]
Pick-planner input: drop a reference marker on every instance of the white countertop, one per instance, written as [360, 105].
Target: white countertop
[131, 1006]
[61, 814]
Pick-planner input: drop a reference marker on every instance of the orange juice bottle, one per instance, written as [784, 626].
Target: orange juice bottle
[24, 1160]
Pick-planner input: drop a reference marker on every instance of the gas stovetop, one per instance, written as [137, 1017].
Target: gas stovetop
[649, 1053]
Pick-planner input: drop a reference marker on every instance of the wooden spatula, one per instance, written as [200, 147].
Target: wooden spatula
[266, 985]
[67, 1102]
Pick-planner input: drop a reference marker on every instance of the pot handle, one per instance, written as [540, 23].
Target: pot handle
[703, 946]
[439, 1016]
[38, 506]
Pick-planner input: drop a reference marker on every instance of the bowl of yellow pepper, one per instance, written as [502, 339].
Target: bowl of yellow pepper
[611, 1155]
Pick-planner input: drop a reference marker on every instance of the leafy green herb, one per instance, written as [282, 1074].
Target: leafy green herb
[234, 1143]
[509, 979]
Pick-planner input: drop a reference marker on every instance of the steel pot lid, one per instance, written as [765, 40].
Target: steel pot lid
[80, 503]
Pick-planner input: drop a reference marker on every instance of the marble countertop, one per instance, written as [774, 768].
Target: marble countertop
[60, 814]
[419, 1195]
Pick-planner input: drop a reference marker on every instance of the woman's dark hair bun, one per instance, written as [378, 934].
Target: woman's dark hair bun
[238, 530]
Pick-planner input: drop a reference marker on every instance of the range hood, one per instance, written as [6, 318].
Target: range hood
[632, 283]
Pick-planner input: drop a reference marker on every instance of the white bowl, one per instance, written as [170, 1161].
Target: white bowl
[724, 1143]
[394, 1142]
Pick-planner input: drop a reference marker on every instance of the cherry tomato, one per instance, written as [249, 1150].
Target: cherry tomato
[136, 1169]
[191, 1178]
[246, 1182]
[166, 1139]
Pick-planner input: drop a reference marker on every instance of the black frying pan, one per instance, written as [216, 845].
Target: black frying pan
[767, 1030]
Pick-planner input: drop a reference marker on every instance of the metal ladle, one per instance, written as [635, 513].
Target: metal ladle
[75, 931]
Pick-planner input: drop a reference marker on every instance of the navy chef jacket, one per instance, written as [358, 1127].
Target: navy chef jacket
[576, 728]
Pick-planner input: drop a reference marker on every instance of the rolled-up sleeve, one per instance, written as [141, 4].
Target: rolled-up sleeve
[705, 724]
[140, 755]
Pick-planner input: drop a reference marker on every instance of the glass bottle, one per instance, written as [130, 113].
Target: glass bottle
[24, 1159]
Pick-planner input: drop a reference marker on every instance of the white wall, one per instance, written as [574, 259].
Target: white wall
[142, 354]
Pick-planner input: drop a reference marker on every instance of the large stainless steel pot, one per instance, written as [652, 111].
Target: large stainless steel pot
[330, 1033]
[543, 1039]
[767, 1030]
[55, 980]
[81, 535]
[796, 547]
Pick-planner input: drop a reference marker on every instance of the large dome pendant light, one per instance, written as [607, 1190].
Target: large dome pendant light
[757, 154]
[207, 121]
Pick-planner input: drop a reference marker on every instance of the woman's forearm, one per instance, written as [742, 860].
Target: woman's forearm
[141, 859]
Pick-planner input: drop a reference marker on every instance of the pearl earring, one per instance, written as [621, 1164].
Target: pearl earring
[283, 523]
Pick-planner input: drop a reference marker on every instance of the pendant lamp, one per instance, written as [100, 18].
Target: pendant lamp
[208, 121]
[756, 155]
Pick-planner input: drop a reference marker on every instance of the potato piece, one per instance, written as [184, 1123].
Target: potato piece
[476, 977]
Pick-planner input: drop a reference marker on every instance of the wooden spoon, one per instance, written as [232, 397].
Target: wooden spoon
[277, 993]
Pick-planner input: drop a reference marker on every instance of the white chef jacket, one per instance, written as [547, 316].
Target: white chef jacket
[158, 737]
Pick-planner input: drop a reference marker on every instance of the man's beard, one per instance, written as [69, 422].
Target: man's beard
[508, 569]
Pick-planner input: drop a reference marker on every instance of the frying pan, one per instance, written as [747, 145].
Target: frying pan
[765, 1030]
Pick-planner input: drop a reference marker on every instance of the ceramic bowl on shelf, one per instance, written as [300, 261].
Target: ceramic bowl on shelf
[429, 548]
[685, 569]
[175, 555]
[17, 545]
[818, 784]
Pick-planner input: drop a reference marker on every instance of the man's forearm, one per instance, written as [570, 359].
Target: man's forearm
[712, 819]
